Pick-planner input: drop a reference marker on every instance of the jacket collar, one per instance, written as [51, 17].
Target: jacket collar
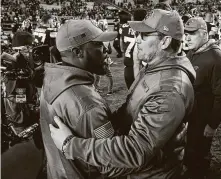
[181, 62]
[210, 44]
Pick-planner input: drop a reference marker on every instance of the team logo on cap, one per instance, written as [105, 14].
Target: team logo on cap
[165, 28]
[188, 23]
[80, 37]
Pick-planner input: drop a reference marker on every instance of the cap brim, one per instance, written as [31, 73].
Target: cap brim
[106, 36]
[18, 48]
[140, 26]
[189, 29]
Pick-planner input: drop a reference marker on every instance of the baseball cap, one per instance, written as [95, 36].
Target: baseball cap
[78, 32]
[166, 22]
[194, 24]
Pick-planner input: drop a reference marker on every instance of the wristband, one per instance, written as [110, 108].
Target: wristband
[67, 140]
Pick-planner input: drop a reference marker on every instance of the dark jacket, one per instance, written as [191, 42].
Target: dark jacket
[159, 100]
[207, 63]
[68, 92]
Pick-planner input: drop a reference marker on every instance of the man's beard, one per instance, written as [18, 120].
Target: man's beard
[150, 57]
[96, 68]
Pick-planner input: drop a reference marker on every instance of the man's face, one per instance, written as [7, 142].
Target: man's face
[95, 58]
[51, 22]
[194, 39]
[147, 46]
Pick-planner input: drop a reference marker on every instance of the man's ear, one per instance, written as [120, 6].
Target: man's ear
[165, 42]
[76, 51]
[205, 35]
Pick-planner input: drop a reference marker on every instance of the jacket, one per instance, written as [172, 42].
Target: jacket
[68, 92]
[207, 63]
[159, 100]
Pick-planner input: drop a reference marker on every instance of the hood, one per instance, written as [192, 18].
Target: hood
[211, 44]
[58, 78]
[181, 62]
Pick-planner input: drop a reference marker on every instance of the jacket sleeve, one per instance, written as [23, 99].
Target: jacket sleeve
[216, 90]
[157, 121]
[95, 123]
[120, 124]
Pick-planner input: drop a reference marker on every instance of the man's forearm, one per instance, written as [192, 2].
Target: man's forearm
[107, 152]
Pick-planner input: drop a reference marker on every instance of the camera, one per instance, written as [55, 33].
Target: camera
[15, 67]
[40, 55]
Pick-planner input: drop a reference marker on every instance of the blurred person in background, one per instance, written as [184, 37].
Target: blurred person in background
[27, 25]
[205, 57]
[209, 19]
[116, 43]
[45, 33]
[128, 41]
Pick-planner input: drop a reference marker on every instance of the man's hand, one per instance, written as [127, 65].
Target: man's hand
[182, 133]
[59, 134]
[208, 131]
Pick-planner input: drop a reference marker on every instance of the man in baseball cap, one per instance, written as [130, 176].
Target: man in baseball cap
[68, 91]
[168, 23]
[195, 23]
[78, 32]
[159, 101]
[205, 56]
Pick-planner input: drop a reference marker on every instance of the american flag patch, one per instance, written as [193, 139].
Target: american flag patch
[104, 131]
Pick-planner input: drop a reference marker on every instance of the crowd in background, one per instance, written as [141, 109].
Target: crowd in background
[27, 15]
[14, 13]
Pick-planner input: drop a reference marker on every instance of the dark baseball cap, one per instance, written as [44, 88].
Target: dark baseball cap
[78, 32]
[194, 24]
[165, 22]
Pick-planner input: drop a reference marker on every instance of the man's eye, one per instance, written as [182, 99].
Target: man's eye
[98, 43]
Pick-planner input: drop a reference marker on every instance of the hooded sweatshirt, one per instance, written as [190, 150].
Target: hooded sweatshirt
[68, 92]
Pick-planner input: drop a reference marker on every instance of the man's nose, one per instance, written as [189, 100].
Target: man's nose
[187, 38]
[138, 39]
